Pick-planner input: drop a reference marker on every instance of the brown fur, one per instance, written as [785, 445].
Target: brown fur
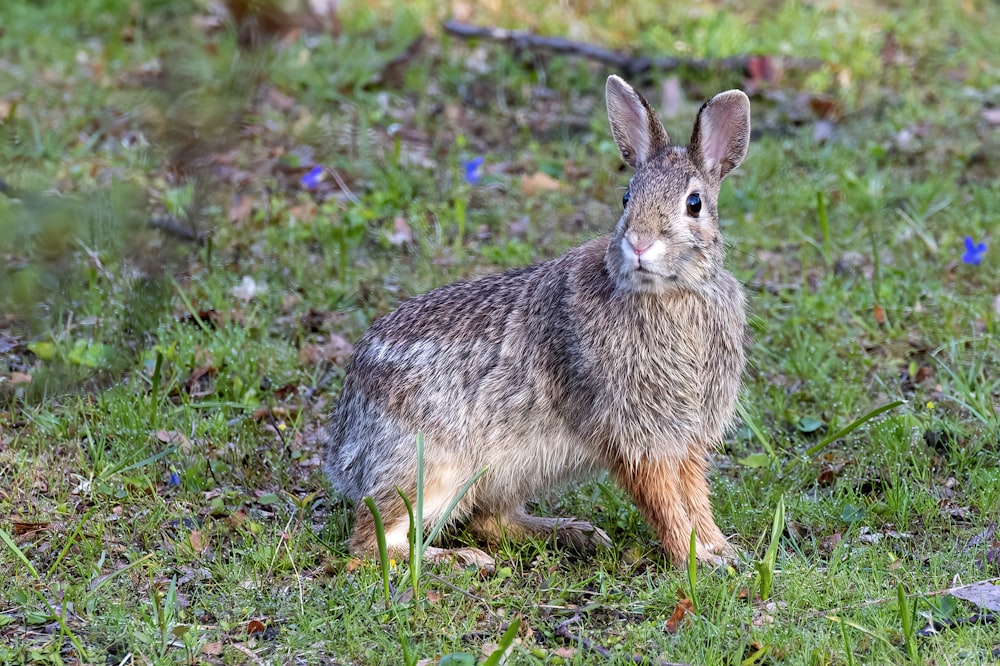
[624, 354]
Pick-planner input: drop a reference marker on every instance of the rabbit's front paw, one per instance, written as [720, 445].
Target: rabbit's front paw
[717, 554]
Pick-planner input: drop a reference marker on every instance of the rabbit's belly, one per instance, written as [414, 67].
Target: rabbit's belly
[526, 463]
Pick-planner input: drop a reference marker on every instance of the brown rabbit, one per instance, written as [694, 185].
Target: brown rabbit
[624, 354]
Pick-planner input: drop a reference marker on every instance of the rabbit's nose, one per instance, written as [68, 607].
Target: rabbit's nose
[639, 246]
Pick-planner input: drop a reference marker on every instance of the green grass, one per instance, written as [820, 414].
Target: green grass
[186, 523]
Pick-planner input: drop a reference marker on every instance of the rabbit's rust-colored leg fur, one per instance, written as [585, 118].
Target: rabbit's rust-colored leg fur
[673, 495]
[655, 488]
[710, 542]
[578, 535]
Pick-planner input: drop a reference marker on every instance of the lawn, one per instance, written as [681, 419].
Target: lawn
[200, 214]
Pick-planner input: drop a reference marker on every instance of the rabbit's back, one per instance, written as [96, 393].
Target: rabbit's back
[481, 369]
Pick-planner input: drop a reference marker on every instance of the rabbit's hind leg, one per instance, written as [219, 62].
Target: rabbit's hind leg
[396, 528]
[518, 525]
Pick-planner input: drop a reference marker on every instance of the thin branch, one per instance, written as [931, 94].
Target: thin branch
[170, 226]
[343, 186]
[937, 626]
[563, 631]
[167, 224]
[627, 64]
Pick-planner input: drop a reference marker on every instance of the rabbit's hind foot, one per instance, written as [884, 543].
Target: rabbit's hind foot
[463, 557]
[364, 542]
[576, 535]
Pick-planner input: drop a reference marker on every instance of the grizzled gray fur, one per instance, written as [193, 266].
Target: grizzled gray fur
[624, 354]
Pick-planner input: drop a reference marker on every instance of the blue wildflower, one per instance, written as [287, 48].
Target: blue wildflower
[474, 170]
[312, 178]
[974, 252]
[174, 480]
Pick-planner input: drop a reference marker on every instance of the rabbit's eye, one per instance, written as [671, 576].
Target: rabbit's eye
[625, 197]
[694, 204]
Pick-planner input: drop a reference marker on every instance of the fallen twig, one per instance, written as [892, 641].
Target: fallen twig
[628, 65]
[563, 631]
[937, 626]
[166, 224]
[172, 227]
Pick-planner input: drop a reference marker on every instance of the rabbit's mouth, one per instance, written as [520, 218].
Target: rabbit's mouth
[646, 273]
[644, 279]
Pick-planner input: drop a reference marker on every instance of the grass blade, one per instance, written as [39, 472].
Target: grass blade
[504, 644]
[824, 227]
[383, 552]
[757, 431]
[60, 617]
[154, 398]
[145, 461]
[104, 580]
[411, 539]
[857, 423]
[443, 520]
[907, 617]
[692, 569]
[765, 568]
[19, 554]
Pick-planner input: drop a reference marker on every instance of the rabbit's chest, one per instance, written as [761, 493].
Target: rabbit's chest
[675, 380]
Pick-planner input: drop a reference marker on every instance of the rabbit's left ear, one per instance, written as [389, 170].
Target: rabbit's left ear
[637, 131]
[721, 134]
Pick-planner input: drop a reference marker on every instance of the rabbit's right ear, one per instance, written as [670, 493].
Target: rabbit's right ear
[637, 131]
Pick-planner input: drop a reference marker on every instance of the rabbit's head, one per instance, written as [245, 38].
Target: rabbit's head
[668, 236]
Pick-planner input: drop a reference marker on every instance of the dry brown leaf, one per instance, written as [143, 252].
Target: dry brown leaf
[239, 211]
[336, 349]
[984, 595]
[539, 182]
[20, 378]
[825, 107]
[762, 69]
[174, 437]
[20, 527]
[879, 314]
[831, 542]
[278, 100]
[829, 474]
[212, 649]
[275, 413]
[401, 234]
[236, 519]
[198, 543]
[984, 537]
[519, 227]
[684, 608]
[193, 385]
